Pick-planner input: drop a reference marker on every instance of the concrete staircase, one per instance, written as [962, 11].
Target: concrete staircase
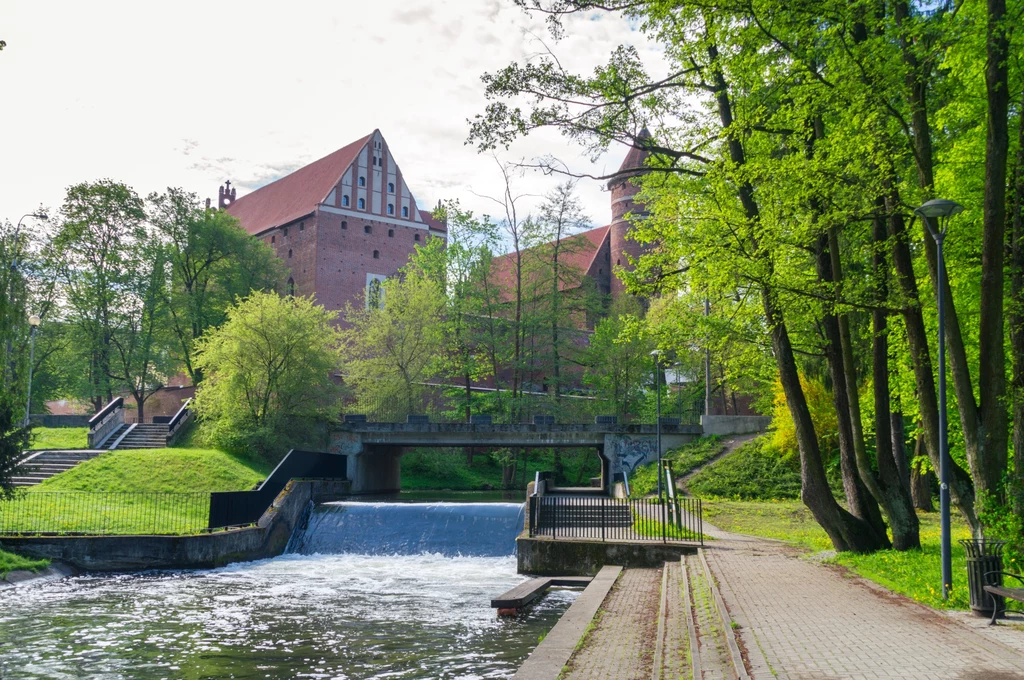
[139, 436]
[45, 464]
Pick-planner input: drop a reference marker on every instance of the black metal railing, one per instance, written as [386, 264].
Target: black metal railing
[99, 513]
[617, 519]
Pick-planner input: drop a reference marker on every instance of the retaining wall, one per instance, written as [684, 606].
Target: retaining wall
[547, 557]
[722, 425]
[203, 551]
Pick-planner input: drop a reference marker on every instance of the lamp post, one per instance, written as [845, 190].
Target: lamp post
[936, 214]
[657, 389]
[14, 270]
[33, 321]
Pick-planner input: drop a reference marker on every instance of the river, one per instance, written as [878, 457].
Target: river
[369, 590]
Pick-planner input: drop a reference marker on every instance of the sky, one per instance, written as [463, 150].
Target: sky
[194, 93]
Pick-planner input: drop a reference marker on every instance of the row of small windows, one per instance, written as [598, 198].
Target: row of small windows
[361, 204]
[391, 185]
[367, 229]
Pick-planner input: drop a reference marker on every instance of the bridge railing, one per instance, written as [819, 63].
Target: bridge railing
[601, 518]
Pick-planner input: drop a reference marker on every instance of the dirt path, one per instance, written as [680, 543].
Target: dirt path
[731, 443]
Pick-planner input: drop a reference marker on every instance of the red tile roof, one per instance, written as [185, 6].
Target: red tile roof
[428, 219]
[580, 251]
[294, 195]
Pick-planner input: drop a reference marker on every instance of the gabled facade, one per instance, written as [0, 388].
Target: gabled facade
[341, 224]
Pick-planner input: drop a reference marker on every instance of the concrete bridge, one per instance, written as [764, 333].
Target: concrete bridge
[375, 449]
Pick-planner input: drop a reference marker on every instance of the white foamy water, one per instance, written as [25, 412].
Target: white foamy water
[347, 615]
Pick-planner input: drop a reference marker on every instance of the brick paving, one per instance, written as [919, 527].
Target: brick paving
[621, 646]
[800, 620]
[675, 661]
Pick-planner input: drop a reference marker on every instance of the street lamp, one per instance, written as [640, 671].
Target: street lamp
[657, 388]
[936, 215]
[33, 321]
[14, 270]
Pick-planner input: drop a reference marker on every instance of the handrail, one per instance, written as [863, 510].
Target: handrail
[105, 412]
[179, 416]
[625, 481]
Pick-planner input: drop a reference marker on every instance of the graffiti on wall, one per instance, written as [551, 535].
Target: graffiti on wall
[632, 452]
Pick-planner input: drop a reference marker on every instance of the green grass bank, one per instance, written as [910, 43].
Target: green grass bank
[59, 438]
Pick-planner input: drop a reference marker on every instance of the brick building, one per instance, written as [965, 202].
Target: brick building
[341, 224]
[597, 253]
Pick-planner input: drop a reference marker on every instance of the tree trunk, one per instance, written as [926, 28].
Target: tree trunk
[896, 500]
[1015, 320]
[899, 446]
[921, 484]
[858, 499]
[961, 489]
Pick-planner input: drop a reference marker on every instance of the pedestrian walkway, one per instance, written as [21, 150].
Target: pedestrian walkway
[792, 619]
[621, 645]
[800, 620]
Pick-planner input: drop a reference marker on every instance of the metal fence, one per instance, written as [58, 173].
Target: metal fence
[92, 513]
[617, 519]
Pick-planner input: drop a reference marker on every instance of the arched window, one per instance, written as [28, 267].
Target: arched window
[291, 287]
[405, 211]
[367, 229]
[391, 208]
[618, 262]
[391, 187]
[289, 252]
[376, 254]
[273, 239]
[416, 237]
[344, 224]
[362, 204]
[344, 201]
[391, 233]
[362, 181]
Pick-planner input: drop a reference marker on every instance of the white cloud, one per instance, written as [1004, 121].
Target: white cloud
[193, 93]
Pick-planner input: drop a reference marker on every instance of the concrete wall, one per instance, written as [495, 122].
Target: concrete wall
[125, 553]
[546, 557]
[47, 420]
[722, 425]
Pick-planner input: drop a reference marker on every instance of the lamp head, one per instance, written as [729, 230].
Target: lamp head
[41, 215]
[939, 208]
[33, 320]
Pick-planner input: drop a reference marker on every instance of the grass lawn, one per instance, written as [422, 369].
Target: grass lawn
[10, 562]
[644, 480]
[164, 491]
[172, 470]
[914, 573]
[59, 438]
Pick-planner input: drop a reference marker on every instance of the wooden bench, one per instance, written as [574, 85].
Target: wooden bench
[509, 604]
[1016, 594]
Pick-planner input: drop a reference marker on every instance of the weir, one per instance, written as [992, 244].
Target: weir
[448, 529]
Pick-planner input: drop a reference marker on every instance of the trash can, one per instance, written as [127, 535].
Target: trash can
[984, 555]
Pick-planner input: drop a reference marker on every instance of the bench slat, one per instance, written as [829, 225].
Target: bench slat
[1012, 593]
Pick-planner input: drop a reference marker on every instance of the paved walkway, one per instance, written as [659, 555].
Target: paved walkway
[621, 645]
[805, 621]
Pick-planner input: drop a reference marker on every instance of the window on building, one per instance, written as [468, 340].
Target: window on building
[391, 233]
[291, 287]
[374, 294]
[273, 239]
[376, 254]
[344, 201]
[618, 263]
[416, 237]
[391, 187]
[289, 252]
[302, 226]
[391, 208]
[344, 224]
[367, 229]
[374, 161]
[405, 211]
[362, 204]
[600, 271]
[362, 181]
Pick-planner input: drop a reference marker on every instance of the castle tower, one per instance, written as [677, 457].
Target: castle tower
[623, 192]
[225, 195]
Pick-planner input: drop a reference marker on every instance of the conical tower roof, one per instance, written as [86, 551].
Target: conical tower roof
[635, 160]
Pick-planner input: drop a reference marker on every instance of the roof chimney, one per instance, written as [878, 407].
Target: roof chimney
[225, 195]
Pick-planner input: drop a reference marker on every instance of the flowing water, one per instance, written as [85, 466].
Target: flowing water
[357, 598]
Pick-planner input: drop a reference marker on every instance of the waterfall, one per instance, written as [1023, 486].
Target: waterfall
[451, 529]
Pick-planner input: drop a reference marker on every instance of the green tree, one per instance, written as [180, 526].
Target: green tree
[618, 362]
[13, 440]
[392, 347]
[212, 261]
[269, 374]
